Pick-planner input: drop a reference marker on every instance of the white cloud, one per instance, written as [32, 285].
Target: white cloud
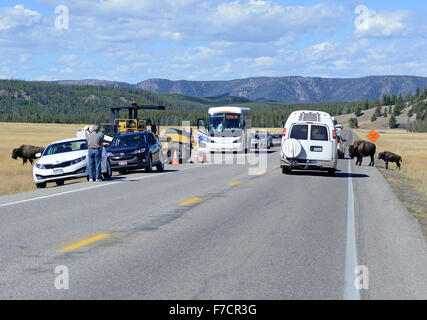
[370, 24]
[17, 16]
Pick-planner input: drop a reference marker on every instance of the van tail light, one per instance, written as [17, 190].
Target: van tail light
[284, 132]
[334, 134]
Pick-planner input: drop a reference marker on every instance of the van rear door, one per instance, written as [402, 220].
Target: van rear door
[320, 144]
[300, 132]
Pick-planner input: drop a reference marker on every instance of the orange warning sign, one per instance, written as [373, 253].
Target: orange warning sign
[373, 135]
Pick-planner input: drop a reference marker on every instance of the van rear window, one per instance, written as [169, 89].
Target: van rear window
[299, 131]
[319, 133]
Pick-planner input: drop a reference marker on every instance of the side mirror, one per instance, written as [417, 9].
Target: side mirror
[343, 140]
[38, 155]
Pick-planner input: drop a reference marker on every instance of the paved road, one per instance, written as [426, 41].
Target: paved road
[215, 232]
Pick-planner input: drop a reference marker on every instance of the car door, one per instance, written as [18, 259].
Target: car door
[320, 144]
[154, 147]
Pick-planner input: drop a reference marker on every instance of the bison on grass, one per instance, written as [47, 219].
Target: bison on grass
[388, 156]
[27, 153]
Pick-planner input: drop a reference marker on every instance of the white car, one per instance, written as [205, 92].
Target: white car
[65, 160]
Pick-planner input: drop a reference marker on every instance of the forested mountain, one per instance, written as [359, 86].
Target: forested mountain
[283, 89]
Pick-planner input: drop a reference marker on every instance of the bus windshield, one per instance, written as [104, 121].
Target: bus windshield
[222, 122]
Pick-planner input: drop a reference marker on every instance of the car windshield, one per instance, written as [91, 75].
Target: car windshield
[276, 135]
[65, 147]
[129, 141]
[224, 121]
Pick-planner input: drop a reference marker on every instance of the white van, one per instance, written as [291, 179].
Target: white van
[309, 141]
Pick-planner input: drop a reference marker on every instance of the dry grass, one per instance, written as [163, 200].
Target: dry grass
[410, 183]
[14, 176]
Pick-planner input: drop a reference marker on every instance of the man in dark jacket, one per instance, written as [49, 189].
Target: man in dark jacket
[94, 144]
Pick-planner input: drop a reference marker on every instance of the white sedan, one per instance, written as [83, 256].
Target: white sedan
[65, 160]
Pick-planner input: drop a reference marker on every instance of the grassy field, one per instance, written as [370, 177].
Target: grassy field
[17, 177]
[410, 183]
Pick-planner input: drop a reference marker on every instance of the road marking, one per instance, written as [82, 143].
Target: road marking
[101, 185]
[235, 183]
[276, 166]
[85, 242]
[350, 290]
[189, 201]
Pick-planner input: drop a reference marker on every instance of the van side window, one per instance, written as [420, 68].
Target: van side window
[299, 132]
[319, 133]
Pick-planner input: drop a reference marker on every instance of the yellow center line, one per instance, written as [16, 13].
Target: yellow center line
[234, 183]
[86, 242]
[260, 173]
[276, 166]
[189, 201]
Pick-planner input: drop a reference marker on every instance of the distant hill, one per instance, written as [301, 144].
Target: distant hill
[282, 89]
[292, 89]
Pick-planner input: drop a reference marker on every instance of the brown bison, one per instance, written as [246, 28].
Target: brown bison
[360, 149]
[26, 152]
[388, 156]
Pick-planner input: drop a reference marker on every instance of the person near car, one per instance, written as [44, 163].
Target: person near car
[94, 144]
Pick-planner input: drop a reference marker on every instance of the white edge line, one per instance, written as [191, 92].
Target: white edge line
[350, 290]
[94, 187]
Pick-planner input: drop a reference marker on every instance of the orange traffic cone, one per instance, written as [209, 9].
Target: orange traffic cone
[196, 157]
[175, 160]
[205, 157]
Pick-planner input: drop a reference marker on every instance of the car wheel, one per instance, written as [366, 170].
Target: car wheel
[109, 173]
[123, 171]
[41, 185]
[161, 166]
[60, 183]
[149, 167]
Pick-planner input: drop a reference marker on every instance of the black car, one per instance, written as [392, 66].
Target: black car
[135, 150]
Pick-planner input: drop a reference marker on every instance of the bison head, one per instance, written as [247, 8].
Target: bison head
[381, 155]
[15, 154]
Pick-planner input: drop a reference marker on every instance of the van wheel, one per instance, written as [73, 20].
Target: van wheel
[41, 185]
[286, 170]
[60, 183]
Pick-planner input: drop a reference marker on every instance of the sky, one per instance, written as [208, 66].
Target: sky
[131, 41]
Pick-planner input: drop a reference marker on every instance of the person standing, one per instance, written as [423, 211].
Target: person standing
[94, 144]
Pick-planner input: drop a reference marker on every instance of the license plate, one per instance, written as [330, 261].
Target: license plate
[123, 163]
[58, 171]
[316, 149]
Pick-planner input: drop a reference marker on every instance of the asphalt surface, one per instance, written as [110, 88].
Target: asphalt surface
[214, 231]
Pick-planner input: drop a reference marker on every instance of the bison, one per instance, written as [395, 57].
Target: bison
[388, 156]
[27, 153]
[360, 149]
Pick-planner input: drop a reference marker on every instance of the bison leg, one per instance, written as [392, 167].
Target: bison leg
[372, 160]
[24, 160]
[386, 165]
[398, 165]
[31, 161]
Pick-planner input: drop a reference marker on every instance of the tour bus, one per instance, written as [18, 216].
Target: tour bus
[227, 129]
